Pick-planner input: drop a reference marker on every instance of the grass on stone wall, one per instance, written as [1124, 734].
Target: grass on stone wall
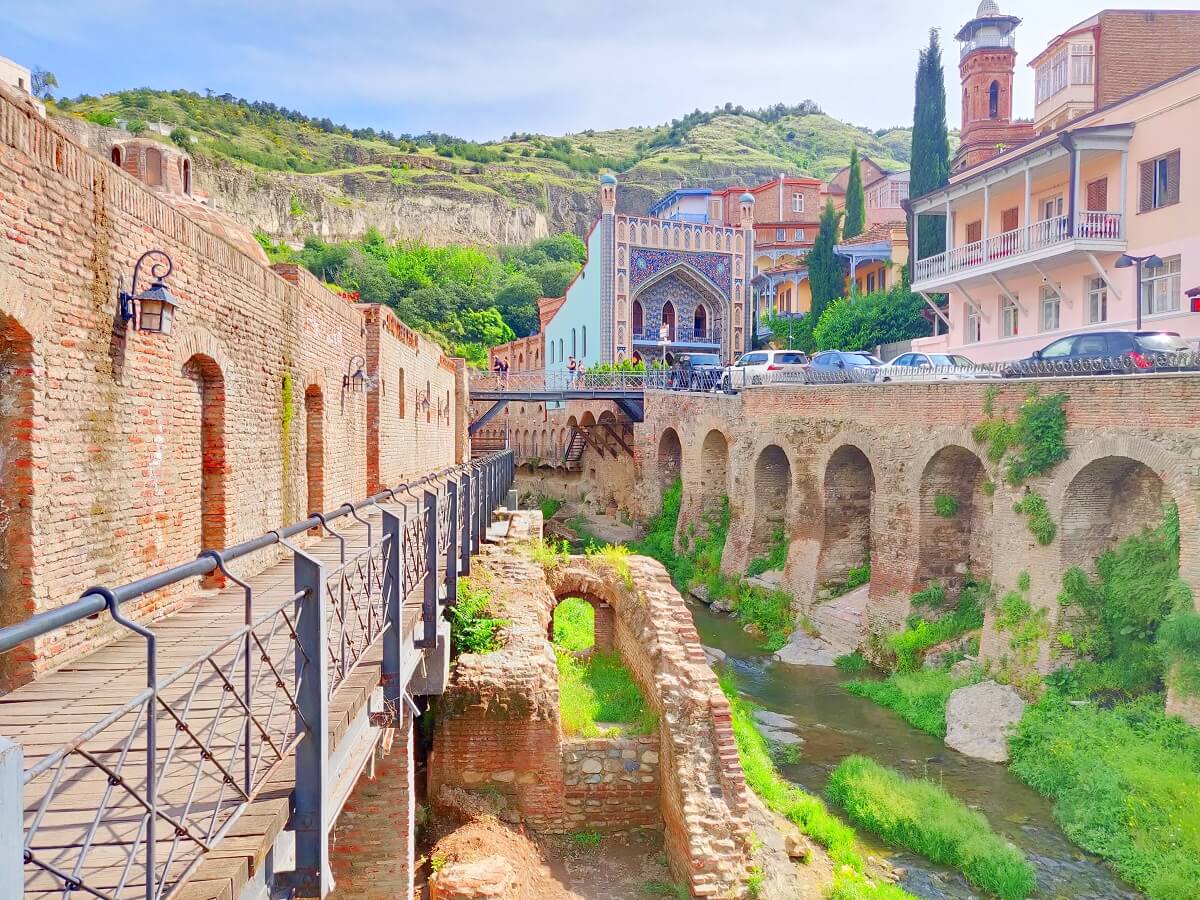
[549, 553]
[775, 557]
[1124, 782]
[472, 627]
[921, 634]
[807, 812]
[921, 816]
[616, 557]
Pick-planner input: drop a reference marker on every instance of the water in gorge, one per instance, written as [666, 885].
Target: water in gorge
[836, 724]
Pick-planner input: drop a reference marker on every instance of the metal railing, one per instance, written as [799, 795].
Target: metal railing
[1027, 238]
[711, 336]
[130, 804]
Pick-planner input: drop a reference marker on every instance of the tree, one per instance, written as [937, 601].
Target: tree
[181, 137]
[517, 302]
[824, 268]
[41, 81]
[863, 323]
[856, 200]
[929, 165]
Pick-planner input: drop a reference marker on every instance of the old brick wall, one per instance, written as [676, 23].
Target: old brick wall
[1139, 48]
[611, 784]
[867, 462]
[136, 448]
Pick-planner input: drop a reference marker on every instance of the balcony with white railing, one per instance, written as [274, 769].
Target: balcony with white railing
[1028, 243]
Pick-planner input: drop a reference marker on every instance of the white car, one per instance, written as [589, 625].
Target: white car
[753, 368]
[935, 367]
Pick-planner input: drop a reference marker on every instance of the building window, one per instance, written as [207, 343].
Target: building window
[552, 353]
[994, 100]
[1009, 219]
[1159, 182]
[1161, 288]
[574, 343]
[1052, 208]
[974, 232]
[797, 202]
[153, 167]
[973, 326]
[1051, 308]
[1082, 56]
[637, 318]
[871, 283]
[1097, 294]
[561, 357]
[1009, 316]
[1052, 77]
[402, 392]
[781, 234]
[584, 330]
[798, 234]
[700, 323]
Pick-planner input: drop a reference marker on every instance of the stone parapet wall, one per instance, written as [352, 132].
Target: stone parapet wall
[124, 452]
[611, 783]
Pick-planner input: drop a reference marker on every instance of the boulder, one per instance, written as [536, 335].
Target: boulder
[797, 846]
[803, 649]
[492, 877]
[980, 717]
[700, 592]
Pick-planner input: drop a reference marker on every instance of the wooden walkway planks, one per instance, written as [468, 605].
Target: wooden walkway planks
[58, 707]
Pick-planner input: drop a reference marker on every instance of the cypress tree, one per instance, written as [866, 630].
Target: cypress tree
[856, 200]
[930, 159]
[824, 268]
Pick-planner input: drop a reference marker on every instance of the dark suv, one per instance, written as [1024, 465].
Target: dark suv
[1106, 353]
[695, 372]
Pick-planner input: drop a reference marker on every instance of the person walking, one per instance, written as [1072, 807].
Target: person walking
[571, 367]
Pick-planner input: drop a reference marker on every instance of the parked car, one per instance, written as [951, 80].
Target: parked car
[934, 367]
[1106, 353]
[695, 372]
[843, 365]
[752, 368]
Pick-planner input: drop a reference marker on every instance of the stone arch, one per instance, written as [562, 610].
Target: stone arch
[154, 166]
[314, 449]
[208, 441]
[28, 315]
[1108, 499]
[772, 491]
[196, 340]
[958, 539]
[849, 489]
[604, 619]
[670, 458]
[117, 156]
[714, 472]
[16, 488]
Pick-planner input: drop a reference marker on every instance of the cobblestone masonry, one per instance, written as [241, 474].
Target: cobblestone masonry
[498, 723]
[866, 463]
[124, 451]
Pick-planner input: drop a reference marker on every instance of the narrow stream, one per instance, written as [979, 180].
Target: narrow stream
[835, 724]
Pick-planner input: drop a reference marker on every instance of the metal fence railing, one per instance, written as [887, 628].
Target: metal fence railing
[129, 803]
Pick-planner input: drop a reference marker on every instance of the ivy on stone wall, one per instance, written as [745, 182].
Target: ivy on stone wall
[946, 505]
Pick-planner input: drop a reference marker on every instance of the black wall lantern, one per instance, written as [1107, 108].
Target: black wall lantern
[355, 377]
[154, 308]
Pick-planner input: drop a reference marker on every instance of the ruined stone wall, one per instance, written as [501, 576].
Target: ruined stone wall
[134, 450]
[866, 461]
[611, 784]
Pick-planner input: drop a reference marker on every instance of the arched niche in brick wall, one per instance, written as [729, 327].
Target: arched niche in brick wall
[16, 490]
[1108, 500]
[955, 518]
[204, 446]
[848, 488]
[714, 473]
[314, 449]
[772, 489]
[670, 458]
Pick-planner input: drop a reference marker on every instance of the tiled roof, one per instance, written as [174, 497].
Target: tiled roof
[873, 235]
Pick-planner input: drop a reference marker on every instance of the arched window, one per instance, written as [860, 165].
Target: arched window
[637, 318]
[668, 319]
[187, 176]
[700, 322]
[994, 100]
[552, 352]
[584, 329]
[561, 357]
[116, 156]
[574, 343]
[401, 392]
[153, 166]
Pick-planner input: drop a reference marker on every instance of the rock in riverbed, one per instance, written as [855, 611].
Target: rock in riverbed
[980, 717]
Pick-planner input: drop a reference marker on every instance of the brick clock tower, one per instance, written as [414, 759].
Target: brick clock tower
[987, 63]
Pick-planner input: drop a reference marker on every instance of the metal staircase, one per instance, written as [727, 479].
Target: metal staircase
[575, 447]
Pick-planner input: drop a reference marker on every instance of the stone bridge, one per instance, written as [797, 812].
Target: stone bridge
[851, 474]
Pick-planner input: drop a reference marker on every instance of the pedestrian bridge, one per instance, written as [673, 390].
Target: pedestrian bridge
[209, 753]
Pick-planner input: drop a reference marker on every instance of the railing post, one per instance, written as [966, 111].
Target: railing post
[452, 542]
[310, 820]
[12, 814]
[393, 605]
[468, 513]
[429, 601]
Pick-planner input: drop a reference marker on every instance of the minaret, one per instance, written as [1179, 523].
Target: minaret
[608, 273]
[738, 341]
[987, 61]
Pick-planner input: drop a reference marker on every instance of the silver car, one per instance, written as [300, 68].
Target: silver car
[935, 367]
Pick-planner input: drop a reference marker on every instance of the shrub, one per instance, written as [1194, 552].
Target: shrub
[921, 816]
[858, 576]
[617, 557]
[135, 127]
[768, 612]
[549, 506]
[600, 690]
[181, 137]
[1041, 525]
[852, 663]
[1124, 783]
[102, 117]
[909, 644]
[946, 505]
[472, 629]
[549, 554]
[775, 558]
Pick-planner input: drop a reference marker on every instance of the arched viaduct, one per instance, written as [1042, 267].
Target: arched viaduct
[852, 473]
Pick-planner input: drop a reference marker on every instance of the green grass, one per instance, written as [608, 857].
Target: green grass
[657, 888]
[918, 697]
[768, 612]
[852, 663]
[910, 645]
[549, 506]
[549, 553]
[921, 816]
[616, 556]
[574, 625]
[588, 838]
[600, 690]
[472, 628]
[775, 558]
[805, 811]
[1124, 782]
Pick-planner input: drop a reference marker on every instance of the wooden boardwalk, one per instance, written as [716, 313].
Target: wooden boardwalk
[87, 805]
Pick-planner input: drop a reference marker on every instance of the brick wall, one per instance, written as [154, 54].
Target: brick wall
[1138, 49]
[129, 450]
[867, 462]
[611, 784]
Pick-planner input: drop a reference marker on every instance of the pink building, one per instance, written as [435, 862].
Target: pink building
[1034, 234]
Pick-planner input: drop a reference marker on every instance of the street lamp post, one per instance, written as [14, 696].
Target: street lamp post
[1151, 261]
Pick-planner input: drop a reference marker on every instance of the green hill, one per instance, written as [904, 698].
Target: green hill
[324, 178]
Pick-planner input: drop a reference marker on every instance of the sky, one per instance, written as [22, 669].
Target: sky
[482, 69]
